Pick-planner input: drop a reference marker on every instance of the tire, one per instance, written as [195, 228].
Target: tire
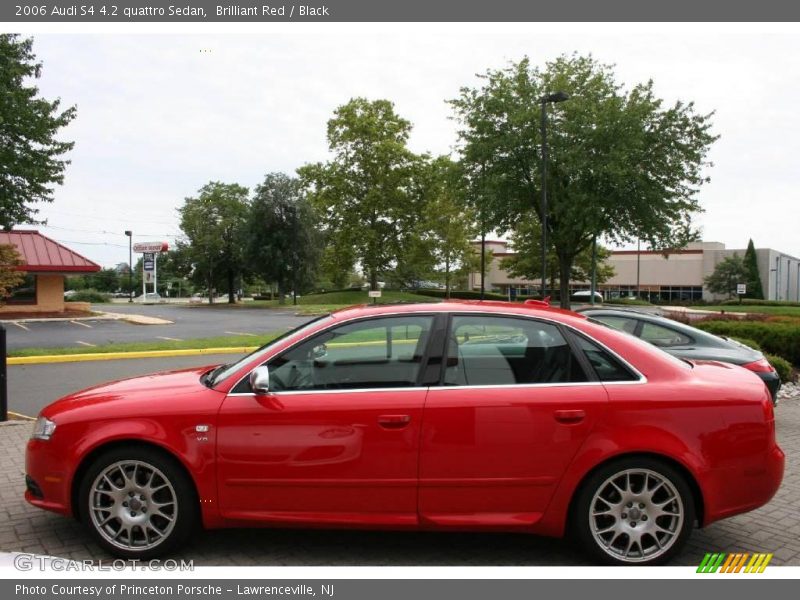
[634, 511]
[138, 502]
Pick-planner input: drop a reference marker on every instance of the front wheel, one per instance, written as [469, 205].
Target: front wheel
[137, 503]
[635, 511]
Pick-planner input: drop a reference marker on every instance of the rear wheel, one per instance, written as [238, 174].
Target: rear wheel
[635, 511]
[137, 502]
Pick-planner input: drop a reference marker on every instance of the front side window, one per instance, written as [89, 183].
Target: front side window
[375, 353]
[508, 351]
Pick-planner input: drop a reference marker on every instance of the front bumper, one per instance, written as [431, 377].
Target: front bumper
[47, 478]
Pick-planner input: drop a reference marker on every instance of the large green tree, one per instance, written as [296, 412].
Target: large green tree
[364, 195]
[449, 220]
[31, 155]
[214, 223]
[752, 279]
[283, 244]
[730, 271]
[622, 164]
[526, 263]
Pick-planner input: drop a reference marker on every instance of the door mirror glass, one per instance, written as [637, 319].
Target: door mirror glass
[259, 380]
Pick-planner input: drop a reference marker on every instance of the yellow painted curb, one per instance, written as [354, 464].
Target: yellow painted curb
[62, 358]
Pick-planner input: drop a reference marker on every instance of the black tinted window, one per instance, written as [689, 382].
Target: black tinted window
[508, 351]
[604, 364]
[376, 353]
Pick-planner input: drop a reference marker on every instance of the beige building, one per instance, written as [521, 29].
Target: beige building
[677, 276]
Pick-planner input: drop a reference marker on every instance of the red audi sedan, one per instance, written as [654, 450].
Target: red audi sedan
[452, 416]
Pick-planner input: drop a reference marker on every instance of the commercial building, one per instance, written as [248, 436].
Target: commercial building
[676, 276]
[46, 263]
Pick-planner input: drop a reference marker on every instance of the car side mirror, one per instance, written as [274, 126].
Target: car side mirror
[259, 380]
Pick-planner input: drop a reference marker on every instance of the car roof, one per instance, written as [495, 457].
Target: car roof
[482, 306]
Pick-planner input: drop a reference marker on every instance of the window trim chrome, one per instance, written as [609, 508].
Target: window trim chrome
[641, 378]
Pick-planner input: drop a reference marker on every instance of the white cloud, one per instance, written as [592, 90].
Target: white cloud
[158, 118]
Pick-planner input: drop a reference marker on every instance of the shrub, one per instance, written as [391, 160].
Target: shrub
[782, 339]
[461, 294]
[89, 295]
[782, 366]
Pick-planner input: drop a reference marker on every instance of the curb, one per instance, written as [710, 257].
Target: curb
[63, 358]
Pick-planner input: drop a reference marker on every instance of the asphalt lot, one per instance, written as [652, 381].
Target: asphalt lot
[32, 387]
[773, 528]
[189, 321]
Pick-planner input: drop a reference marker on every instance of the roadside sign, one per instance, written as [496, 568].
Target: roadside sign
[150, 247]
[374, 293]
[148, 261]
[741, 289]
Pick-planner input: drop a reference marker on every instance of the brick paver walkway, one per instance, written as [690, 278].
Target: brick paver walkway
[773, 528]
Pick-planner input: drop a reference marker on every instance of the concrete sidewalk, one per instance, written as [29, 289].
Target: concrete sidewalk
[774, 528]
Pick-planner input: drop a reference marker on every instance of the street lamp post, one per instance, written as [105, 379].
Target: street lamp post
[545, 100]
[130, 265]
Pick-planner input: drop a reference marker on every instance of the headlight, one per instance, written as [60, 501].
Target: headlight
[43, 429]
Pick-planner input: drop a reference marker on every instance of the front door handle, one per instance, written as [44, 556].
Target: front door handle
[394, 421]
[570, 417]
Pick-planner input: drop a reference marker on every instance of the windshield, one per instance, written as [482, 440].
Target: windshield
[222, 372]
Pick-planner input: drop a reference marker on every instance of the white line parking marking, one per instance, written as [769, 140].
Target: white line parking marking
[81, 324]
[85, 343]
[161, 337]
[241, 333]
[21, 326]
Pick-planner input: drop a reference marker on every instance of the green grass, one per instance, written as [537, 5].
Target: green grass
[785, 311]
[315, 304]
[230, 341]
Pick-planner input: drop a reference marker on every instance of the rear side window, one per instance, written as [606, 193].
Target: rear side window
[663, 337]
[606, 367]
[507, 351]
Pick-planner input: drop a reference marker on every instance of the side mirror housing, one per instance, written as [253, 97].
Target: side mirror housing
[259, 380]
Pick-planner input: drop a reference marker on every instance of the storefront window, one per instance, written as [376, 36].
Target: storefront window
[25, 293]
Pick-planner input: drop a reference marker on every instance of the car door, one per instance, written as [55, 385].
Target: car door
[336, 439]
[514, 406]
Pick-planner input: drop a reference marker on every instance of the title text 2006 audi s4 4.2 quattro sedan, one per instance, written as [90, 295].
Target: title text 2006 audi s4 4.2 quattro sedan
[452, 416]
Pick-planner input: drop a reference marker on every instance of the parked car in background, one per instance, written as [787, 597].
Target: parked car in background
[586, 296]
[688, 342]
[451, 416]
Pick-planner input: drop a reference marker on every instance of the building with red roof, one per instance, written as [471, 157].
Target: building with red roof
[46, 263]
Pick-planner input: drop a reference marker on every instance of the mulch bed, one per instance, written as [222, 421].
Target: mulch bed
[67, 314]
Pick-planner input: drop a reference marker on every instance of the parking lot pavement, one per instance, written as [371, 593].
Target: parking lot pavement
[773, 528]
[32, 387]
[188, 322]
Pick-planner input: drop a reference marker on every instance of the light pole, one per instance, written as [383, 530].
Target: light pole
[130, 265]
[545, 100]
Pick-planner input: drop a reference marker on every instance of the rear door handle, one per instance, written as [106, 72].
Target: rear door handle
[394, 421]
[569, 417]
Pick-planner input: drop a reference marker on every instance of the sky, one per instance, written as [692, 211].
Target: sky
[161, 114]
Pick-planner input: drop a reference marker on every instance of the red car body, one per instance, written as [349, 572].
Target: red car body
[501, 457]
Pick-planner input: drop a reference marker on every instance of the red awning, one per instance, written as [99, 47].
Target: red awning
[41, 254]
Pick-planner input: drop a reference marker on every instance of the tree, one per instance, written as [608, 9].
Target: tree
[283, 244]
[752, 278]
[363, 195]
[621, 164]
[30, 154]
[728, 272]
[448, 218]
[213, 223]
[10, 277]
[526, 263]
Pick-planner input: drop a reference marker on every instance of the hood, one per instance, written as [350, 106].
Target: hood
[133, 395]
